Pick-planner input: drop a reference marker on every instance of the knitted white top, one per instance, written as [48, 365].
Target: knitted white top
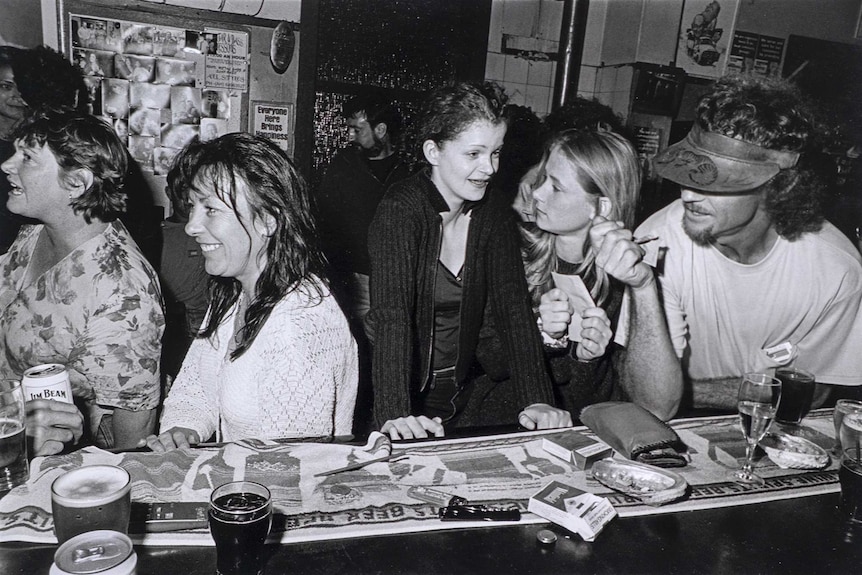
[298, 378]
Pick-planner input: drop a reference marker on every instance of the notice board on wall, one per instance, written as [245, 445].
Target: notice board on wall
[163, 76]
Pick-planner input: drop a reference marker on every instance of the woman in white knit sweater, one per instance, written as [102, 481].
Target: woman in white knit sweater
[274, 357]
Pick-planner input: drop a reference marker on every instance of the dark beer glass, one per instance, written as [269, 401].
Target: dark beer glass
[797, 391]
[850, 476]
[240, 516]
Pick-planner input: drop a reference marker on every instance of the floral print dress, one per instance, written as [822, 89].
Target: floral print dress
[98, 311]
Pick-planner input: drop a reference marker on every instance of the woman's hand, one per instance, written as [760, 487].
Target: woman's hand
[413, 427]
[174, 438]
[618, 255]
[51, 425]
[543, 416]
[596, 334]
[556, 313]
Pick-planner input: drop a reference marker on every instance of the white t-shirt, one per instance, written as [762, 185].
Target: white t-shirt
[724, 316]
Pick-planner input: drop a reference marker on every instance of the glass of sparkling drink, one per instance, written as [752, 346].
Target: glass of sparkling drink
[14, 469]
[92, 497]
[842, 408]
[758, 400]
[240, 516]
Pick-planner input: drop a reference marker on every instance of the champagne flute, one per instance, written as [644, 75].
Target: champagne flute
[759, 395]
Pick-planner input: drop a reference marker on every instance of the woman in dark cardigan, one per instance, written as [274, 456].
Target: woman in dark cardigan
[442, 261]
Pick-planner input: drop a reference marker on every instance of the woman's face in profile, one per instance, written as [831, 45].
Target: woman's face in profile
[35, 176]
[562, 205]
[232, 245]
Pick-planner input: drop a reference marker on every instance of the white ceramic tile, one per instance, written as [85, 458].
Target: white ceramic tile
[537, 99]
[515, 70]
[540, 73]
[495, 65]
[516, 92]
[495, 26]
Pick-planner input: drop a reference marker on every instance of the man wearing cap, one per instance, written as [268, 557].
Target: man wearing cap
[752, 276]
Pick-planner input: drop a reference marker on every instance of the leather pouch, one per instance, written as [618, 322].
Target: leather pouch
[636, 433]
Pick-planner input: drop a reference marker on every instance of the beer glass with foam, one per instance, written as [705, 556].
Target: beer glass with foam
[14, 469]
[92, 497]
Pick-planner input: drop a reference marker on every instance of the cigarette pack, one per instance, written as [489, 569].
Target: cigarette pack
[576, 448]
[578, 511]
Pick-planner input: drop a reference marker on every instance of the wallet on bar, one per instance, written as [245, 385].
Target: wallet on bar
[636, 433]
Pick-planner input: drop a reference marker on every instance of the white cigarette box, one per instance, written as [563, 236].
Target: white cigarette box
[578, 511]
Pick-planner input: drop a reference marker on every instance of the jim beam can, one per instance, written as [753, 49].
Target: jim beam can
[48, 381]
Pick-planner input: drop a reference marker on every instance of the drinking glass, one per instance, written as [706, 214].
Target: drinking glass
[14, 469]
[240, 516]
[759, 395]
[797, 391]
[842, 408]
[850, 433]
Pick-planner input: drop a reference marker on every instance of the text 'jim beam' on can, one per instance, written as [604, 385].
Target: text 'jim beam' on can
[48, 381]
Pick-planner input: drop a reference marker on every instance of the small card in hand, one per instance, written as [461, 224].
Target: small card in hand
[580, 298]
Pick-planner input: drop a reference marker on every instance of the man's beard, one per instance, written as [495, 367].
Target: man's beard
[702, 237]
[374, 150]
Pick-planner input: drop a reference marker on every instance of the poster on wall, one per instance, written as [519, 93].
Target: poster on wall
[705, 35]
[160, 86]
[755, 54]
[274, 121]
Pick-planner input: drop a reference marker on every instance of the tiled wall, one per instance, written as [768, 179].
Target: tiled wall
[530, 81]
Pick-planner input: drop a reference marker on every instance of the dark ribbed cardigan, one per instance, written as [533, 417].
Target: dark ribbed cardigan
[404, 245]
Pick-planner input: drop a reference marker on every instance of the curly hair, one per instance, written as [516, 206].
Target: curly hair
[449, 110]
[607, 166]
[273, 188]
[79, 140]
[47, 80]
[772, 113]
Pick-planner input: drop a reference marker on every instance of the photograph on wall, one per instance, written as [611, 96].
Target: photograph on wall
[115, 98]
[97, 34]
[137, 39]
[168, 41]
[212, 128]
[150, 95]
[163, 158]
[216, 104]
[134, 68]
[705, 36]
[174, 72]
[144, 121]
[185, 105]
[94, 63]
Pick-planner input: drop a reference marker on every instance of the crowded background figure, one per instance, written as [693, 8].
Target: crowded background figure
[584, 208]
[75, 289]
[30, 79]
[347, 197]
[752, 276]
[275, 357]
[444, 265]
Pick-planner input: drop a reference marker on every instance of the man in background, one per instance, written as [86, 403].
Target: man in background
[752, 276]
[352, 187]
[347, 198]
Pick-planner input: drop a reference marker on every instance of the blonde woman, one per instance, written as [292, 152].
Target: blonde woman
[584, 207]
